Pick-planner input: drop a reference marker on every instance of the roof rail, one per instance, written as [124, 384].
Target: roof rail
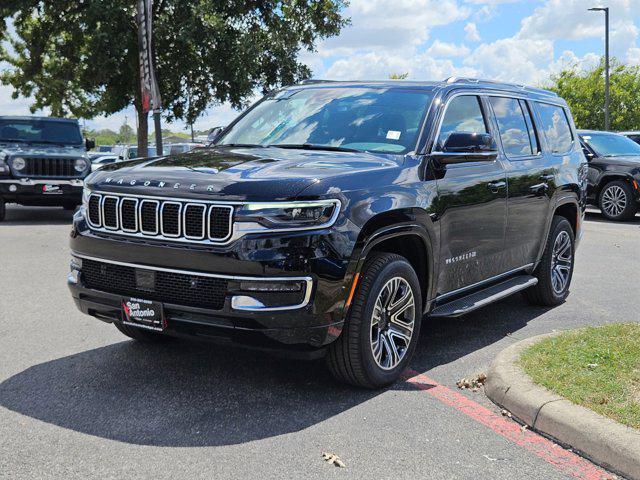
[520, 86]
[310, 81]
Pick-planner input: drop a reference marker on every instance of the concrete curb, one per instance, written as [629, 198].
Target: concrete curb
[600, 439]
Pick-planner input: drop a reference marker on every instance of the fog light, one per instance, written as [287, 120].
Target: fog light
[270, 287]
[13, 188]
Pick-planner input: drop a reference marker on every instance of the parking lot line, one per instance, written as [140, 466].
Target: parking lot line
[564, 460]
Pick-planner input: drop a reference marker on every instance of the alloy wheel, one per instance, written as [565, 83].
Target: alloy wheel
[561, 262]
[392, 323]
[614, 201]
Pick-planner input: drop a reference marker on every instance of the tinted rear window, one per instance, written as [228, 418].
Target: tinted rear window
[555, 127]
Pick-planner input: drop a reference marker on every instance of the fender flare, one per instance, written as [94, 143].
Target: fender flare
[364, 248]
[563, 200]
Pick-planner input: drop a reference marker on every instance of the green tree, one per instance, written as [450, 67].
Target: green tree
[125, 134]
[584, 92]
[81, 57]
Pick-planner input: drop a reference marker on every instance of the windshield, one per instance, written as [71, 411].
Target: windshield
[371, 119]
[40, 131]
[611, 144]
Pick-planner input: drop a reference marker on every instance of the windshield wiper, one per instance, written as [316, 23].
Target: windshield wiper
[244, 145]
[13, 140]
[51, 142]
[311, 146]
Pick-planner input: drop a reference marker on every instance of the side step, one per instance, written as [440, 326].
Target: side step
[484, 297]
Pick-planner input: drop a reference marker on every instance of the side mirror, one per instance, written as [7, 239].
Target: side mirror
[90, 144]
[461, 147]
[214, 134]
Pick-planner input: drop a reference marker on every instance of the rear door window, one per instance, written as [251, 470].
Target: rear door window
[512, 126]
[555, 125]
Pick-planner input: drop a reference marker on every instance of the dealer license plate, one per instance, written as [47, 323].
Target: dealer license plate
[138, 312]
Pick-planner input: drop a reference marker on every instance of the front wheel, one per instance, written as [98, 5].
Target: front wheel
[555, 270]
[616, 201]
[381, 332]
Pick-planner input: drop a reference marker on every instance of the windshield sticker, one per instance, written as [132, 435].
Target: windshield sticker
[393, 135]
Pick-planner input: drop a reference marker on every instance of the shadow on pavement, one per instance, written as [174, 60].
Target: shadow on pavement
[19, 215]
[194, 394]
[596, 216]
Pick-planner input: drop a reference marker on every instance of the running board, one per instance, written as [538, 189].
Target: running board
[484, 297]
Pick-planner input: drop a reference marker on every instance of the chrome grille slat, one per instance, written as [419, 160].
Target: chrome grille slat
[191, 221]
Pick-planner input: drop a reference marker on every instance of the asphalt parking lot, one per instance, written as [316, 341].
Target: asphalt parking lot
[79, 400]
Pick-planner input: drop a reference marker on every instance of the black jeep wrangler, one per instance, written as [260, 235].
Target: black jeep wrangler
[43, 161]
[331, 217]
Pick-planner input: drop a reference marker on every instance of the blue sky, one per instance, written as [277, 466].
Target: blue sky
[512, 40]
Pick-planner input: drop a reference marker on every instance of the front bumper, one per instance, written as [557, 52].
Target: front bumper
[41, 192]
[306, 324]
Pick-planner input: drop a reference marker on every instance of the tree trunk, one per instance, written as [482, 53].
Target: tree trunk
[143, 132]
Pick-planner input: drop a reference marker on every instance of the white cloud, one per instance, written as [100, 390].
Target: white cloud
[471, 32]
[444, 49]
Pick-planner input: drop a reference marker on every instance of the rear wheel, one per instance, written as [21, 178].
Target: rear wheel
[381, 332]
[616, 201]
[555, 270]
[142, 335]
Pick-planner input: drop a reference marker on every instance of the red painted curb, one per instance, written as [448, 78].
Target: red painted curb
[567, 462]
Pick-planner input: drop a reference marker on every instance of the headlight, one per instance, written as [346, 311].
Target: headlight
[18, 163]
[287, 215]
[80, 165]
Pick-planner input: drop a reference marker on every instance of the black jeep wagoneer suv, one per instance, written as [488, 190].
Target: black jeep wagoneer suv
[331, 217]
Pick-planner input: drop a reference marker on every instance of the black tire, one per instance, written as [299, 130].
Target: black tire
[546, 293]
[3, 209]
[617, 201]
[350, 358]
[142, 335]
[70, 206]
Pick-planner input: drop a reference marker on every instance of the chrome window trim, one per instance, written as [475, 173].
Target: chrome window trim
[135, 214]
[204, 221]
[308, 280]
[157, 209]
[162, 232]
[231, 227]
[104, 225]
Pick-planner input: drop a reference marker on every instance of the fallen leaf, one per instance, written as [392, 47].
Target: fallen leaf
[333, 459]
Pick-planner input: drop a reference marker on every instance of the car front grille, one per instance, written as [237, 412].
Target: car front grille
[168, 287]
[160, 218]
[49, 167]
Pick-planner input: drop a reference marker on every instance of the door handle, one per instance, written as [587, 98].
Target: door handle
[497, 185]
[548, 177]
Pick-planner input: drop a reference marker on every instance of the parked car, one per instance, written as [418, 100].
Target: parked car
[103, 160]
[176, 148]
[614, 173]
[634, 135]
[129, 152]
[104, 148]
[43, 161]
[330, 217]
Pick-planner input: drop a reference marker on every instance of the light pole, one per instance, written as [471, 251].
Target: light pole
[607, 123]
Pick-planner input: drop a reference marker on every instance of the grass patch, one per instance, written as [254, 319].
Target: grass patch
[596, 367]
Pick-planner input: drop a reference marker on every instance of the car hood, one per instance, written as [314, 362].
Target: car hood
[623, 160]
[239, 173]
[26, 149]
